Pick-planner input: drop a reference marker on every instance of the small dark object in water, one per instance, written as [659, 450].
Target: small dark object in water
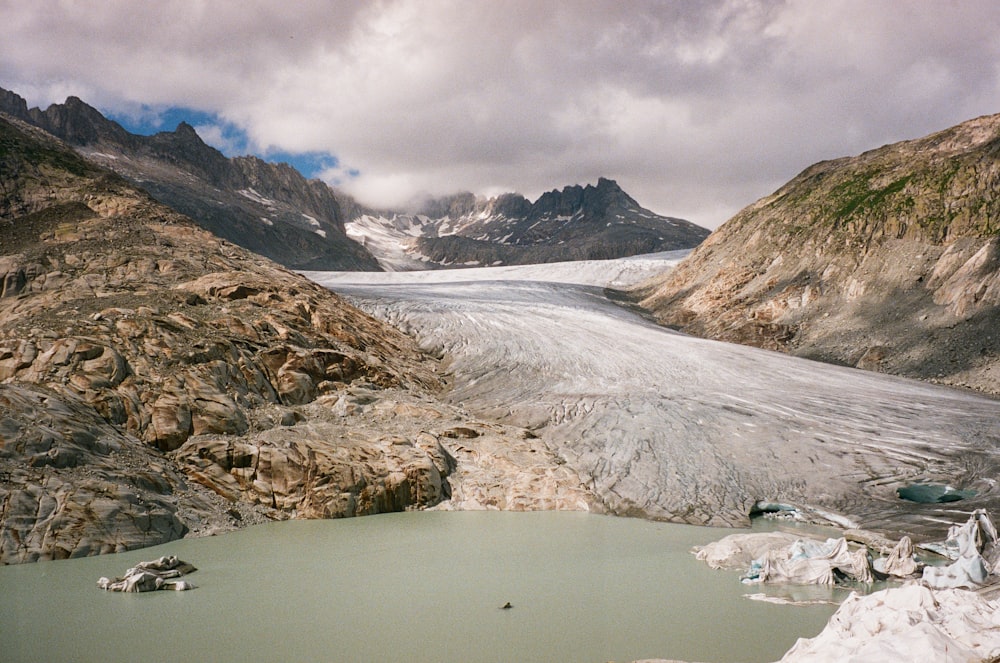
[506, 606]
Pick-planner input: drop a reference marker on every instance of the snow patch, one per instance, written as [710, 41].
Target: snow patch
[252, 194]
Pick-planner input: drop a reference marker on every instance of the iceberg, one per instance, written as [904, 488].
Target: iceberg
[162, 573]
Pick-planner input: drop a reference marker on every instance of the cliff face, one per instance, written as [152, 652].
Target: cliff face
[887, 261]
[156, 380]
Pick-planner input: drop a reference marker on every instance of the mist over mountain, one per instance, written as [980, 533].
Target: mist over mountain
[575, 223]
[273, 210]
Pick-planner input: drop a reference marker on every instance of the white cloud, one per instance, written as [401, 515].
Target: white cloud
[221, 138]
[695, 108]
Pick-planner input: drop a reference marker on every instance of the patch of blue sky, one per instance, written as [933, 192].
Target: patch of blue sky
[148, 120]
[310, 164]
[226, 137]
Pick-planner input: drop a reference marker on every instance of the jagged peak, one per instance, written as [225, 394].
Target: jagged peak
[75, 106]
[13, 104]
[185, 128]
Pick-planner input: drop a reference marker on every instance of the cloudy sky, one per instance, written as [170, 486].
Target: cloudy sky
[695, 108]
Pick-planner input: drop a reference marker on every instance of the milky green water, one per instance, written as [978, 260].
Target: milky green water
[409, 587]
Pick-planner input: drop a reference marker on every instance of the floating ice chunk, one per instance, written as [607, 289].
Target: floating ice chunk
[150, 576]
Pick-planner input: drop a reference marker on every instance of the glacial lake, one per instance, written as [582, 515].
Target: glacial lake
[414, 587]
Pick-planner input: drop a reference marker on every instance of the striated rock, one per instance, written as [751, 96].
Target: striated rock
[499, 473]
[158, 345]
[311, 472]
[72, 485]
[126, 332]
[379, 455]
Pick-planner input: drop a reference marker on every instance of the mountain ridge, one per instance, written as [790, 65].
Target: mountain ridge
[270, 209]
[887, 261]
[157, 381]
[591, 222]
[273, 210]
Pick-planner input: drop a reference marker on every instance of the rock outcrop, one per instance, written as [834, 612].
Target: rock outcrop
[71, 484]
[365, 451]
[157, 381]
[888, 261]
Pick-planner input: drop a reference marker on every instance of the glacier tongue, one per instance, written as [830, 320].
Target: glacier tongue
[663, 425]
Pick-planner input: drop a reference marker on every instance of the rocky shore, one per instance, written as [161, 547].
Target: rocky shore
[158, 382]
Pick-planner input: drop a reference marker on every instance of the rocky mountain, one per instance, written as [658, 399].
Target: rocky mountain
[271, 209]
[157, 381]
[888, 261]
[268, 208]
[577, 223]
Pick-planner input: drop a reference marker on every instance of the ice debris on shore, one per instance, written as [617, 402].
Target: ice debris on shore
[908, 623]
[975, 551]
[149, 576]
[931, 617]
[779, 557]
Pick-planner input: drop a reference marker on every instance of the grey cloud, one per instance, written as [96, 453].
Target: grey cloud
[696, 108]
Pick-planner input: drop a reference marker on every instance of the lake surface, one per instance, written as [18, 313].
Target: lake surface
[424, 586]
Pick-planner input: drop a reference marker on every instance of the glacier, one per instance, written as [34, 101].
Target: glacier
[670, 427]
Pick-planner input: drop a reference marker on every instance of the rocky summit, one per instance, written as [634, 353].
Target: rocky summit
[576, 223]
[887, 261]
[157, 381]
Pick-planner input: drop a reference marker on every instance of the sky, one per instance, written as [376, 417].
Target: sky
[697, 109]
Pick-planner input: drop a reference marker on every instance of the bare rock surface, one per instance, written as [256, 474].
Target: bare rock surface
[156, 382]
[372, 451]
[72, 485]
